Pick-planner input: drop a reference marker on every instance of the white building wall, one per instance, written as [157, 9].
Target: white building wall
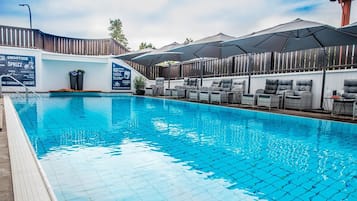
[334, 81]
[52, 70]
[52, 74]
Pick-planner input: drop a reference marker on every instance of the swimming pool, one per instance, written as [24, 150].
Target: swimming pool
[136, 148]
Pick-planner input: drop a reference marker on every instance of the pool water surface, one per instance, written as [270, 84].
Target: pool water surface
[142, 149]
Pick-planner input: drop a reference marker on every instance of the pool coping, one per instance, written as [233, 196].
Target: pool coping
[29, 179]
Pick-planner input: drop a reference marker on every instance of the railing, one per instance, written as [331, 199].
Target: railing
[27, 90]
[338, 57]
[33, 38]
[330, 58]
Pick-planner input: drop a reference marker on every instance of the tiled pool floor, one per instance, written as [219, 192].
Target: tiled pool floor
[249, 174]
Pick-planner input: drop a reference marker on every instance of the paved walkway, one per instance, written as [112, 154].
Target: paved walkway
[6, 192]
[319, 114]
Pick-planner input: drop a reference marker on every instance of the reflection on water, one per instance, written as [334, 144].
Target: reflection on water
[240, 154]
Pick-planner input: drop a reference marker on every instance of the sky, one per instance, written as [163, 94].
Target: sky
[162, 22]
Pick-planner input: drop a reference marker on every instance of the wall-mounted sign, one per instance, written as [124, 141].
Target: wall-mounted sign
[20, 67]
[121, 77]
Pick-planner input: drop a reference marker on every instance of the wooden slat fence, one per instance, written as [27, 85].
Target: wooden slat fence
[331, 58]
[33, 38]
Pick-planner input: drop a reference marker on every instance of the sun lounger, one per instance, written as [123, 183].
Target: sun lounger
[222, 95]
[204, 92]
[301, 97]
[157, 89]
[271, 99]
[345, 105]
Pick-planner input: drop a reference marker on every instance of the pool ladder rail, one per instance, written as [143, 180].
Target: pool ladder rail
[27, 90]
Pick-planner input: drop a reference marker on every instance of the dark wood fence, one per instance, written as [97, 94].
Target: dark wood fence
[331, 58]
[33, 38]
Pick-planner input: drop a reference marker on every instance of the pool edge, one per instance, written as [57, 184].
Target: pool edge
[29, 180]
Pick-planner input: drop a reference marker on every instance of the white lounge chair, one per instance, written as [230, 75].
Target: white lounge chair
[275, 100]
[222, 95]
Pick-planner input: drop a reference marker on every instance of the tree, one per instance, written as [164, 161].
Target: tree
[187, 41]
[144, 45]
[116, 32]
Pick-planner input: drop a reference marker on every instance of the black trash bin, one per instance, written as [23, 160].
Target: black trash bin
[80, 74]
[73, 79]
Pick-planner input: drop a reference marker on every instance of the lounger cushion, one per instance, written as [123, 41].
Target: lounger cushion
[302, 86]
[351, 82]
[349, 95]
[298, 93]
[193, 82]
[284, 85]
[238, 86]
[160, 81]
[186, 81]
[271, 86]
[226, 84]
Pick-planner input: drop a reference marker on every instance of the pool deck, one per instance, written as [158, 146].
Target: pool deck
[26, 178]
[6, 186]
[318, 114]
[6, 191]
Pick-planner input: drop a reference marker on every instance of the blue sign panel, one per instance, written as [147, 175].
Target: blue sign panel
[121, 77]
[20, 67]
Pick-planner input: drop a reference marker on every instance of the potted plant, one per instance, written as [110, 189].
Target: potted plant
[139, 85]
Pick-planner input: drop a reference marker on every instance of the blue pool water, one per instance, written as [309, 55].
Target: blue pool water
[143, 149]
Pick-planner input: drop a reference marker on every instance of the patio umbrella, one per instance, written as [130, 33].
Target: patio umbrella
[295, 35]
[351, 28]
[128, 56]
[205, 47]
[158, 56]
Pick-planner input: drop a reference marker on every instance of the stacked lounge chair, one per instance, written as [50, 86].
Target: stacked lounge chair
[301, 97]
[180, 91]
[238, 89]
[205, 92]
[222, 94]
[347, 103]
[273, 98]
[157, 89]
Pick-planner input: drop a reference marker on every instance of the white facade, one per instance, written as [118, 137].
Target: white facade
[52, 74]
[52, 70]
[334, 81]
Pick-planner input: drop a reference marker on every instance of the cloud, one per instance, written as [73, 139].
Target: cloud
[161, 22]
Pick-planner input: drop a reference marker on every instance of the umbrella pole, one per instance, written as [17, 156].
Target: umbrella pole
[323, 87]
[324, 63]
[249, 71]
[168, 84]
[201, 71]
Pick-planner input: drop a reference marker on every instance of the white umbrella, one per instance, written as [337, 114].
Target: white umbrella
[295, 35]
[158, 56]
[205, 47]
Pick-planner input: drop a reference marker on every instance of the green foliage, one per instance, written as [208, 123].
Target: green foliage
[116, 32]
[144, 45]
[139, 82]
[187, 41]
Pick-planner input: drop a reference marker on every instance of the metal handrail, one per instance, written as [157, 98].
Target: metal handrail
[18, 82]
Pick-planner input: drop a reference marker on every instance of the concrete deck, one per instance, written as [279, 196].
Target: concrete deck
[318, 114]
[6, 191]
[29, 182]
